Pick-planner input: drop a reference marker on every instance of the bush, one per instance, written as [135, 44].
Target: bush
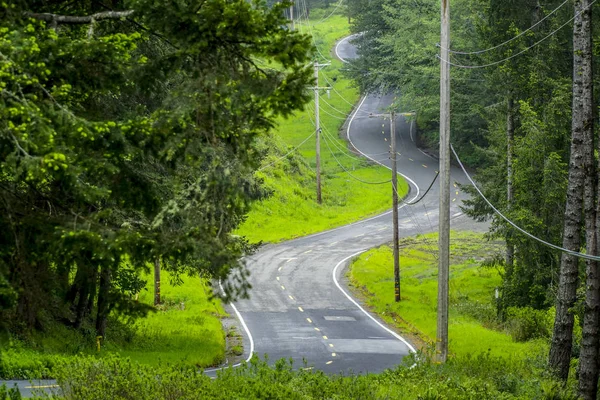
[477, 377]
[526, 323]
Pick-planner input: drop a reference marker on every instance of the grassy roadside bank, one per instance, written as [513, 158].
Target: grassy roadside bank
[472, 316]
[292, 210]
[186, 329]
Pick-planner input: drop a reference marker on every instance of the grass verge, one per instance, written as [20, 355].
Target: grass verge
[472, 287]
[185, 330]
[292, 210]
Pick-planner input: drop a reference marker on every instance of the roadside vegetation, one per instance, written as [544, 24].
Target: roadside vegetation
[291, 210]
[185, 329]
[479, 329]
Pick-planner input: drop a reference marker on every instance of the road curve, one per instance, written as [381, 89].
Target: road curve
[298, 307]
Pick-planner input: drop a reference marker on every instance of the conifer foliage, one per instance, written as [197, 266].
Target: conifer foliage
[127, 134]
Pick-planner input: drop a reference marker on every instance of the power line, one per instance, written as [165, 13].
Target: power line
[334, 10]
[427, 191]
[517, 54]
[348, 172]
[570, 252]
[288, 153]
[303, 2]
[339, 94]
[513, 38]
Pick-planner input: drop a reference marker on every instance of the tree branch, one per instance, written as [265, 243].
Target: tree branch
[73, 19]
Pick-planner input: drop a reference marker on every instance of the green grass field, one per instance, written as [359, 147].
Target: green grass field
[471, 294]
[186, 330]
[292, 210]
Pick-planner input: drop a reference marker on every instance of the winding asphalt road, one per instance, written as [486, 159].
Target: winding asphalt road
[299, 306]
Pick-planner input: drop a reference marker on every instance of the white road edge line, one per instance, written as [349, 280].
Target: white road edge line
[241, 319]
[394, 334]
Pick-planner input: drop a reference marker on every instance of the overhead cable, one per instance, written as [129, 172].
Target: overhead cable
[348, 172]
[570, 252]
[334, 10]
[511, 39]
[520, 52]
[288, 153]
[411, 203]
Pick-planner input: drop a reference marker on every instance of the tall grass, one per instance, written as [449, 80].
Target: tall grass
[472, 290]
[186, 330]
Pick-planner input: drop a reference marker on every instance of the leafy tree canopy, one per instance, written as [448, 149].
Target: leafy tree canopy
[131, 136]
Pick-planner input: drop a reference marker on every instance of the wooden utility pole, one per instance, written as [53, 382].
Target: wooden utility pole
[441, 345]
[395, 207]
[316, 88]
[394, 168]
[318, 132]
[292, 16]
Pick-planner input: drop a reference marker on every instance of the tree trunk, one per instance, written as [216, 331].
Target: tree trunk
[510, 136]
[103, 301]
[93, 288]
[562, 338]
[588, 360]
[157, 281]
[84, 291]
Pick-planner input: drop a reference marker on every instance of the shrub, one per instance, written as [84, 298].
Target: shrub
[526, 323]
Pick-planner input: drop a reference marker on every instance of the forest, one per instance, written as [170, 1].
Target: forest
[524, 86]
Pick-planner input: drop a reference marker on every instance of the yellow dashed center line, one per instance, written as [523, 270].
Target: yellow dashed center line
[301, 309]
[282, 287]
[410, 159]
[381, 229]
[424, 166]
[332, 354]
[453, 199]
[324, 337]
[279, 269]
[362, 234]
[290, 260]
[330, 344]
[291, 298]
[331, 244]
[457, 192]
[277, 278]
[307, 251]
[328, 362]
[307, 368]
[317, 329]
[309, 320]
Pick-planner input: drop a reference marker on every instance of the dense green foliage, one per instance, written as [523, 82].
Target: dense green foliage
[129, 139]
[185, 329]
[467, 378]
